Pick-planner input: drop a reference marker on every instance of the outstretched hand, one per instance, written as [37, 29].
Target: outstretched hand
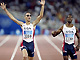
[3, 6]
[42, 2]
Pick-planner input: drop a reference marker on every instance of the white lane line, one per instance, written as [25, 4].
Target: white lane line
[36, 47]
[16, 47]
[5, 40]
[60, 38]
[48, 40]
[54, 45]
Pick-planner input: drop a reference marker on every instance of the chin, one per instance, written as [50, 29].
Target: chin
[28, 20]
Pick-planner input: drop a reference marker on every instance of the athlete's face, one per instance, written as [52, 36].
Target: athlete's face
[69, 18]
[27, 17]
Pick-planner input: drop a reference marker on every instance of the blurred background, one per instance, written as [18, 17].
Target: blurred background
[55, 14]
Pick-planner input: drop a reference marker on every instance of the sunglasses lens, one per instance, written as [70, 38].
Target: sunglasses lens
[28, 15]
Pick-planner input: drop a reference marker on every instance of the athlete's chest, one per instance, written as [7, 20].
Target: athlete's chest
[69, 30]
[27, 27]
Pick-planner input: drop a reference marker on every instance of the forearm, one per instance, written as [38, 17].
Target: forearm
[55, 33]
[39, 17]
[9, 14]
[12, 17]
[42, 11]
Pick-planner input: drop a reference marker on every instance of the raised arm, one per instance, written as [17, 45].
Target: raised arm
[55, 33]
[77, 34]
[3, 6]
[41, 13]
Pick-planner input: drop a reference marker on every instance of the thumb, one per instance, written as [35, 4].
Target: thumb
[52, 32]
[5, 4]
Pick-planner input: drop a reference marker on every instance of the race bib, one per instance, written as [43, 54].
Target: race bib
[28, 34]
[69, 37]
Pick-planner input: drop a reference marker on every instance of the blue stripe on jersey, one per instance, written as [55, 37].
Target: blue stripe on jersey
[28, 32]
[69, 35]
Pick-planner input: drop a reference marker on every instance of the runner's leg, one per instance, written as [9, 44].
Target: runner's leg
[65, 57]
[30, 58]
[25, 54]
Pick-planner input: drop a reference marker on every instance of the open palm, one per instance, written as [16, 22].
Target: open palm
[42, 2]
[3, 6]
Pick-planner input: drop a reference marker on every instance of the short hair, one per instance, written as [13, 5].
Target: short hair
[25, 13]
[70, 14]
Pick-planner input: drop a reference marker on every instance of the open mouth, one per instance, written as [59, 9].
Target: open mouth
[28, 18]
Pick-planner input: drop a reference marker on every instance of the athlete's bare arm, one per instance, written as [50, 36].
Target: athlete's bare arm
[77, 34]
[41, 13]
[3, 6]
[55, 33]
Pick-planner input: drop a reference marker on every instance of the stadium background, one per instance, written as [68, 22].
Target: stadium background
[54, 15]
[46, 46]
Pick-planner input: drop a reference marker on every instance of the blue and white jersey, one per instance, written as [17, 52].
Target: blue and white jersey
[28, 32]
[69, 34]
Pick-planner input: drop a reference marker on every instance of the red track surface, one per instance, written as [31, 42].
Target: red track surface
[46, 50]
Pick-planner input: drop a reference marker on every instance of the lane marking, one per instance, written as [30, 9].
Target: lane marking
[49, 41]
[16, 47]
[5, 40]
[36, 47]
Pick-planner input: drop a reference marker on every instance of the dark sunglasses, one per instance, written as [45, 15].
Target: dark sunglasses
[28, 15]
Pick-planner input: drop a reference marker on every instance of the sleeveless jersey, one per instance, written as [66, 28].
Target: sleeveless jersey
[69, 34]
[28, 32]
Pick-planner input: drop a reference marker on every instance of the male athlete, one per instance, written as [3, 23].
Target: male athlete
[69, 31]
[28, 29]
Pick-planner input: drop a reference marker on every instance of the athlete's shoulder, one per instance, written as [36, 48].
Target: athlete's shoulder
[23, 24]
[61, 28]
[31, 23]
[65, 25]
[34, 26]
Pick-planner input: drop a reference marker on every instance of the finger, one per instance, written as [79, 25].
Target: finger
[1, 3]
[5, 5]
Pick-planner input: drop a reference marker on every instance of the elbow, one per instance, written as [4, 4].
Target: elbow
[53, 35]
[41, 16]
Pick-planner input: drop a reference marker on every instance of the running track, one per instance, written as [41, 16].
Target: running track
[46, 48]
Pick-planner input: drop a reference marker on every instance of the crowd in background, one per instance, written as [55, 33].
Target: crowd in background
[55, 11]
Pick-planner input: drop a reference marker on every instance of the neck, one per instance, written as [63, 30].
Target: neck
[27, 23]
[69, 24]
